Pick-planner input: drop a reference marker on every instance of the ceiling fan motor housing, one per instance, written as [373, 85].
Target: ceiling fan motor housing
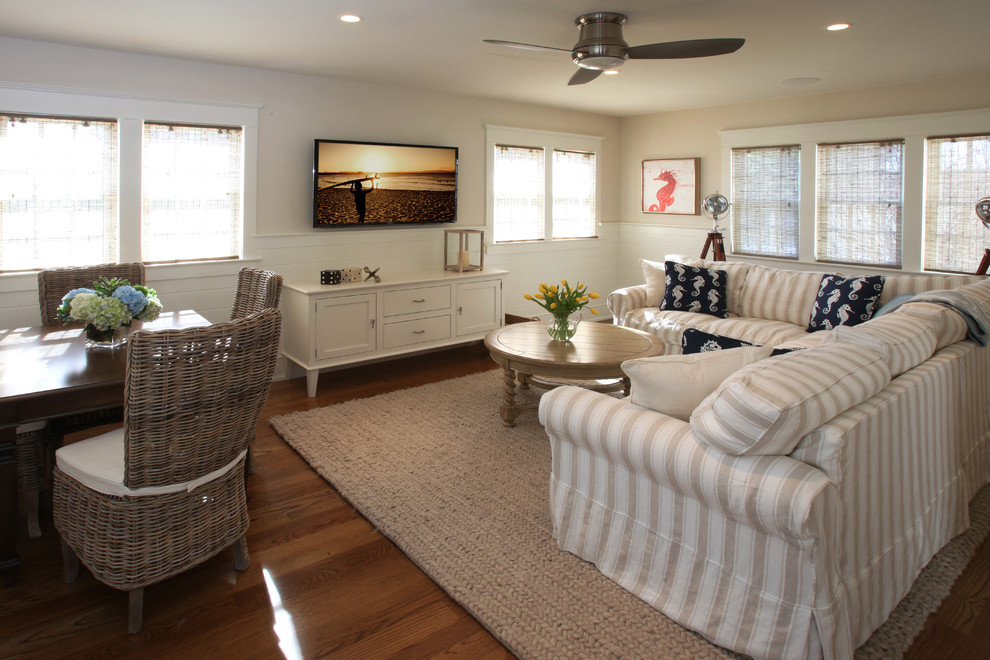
[600, 44]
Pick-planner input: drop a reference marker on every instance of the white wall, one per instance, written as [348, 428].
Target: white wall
[295, 110]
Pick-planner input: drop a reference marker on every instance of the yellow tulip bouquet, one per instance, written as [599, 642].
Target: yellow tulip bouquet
[562, 301]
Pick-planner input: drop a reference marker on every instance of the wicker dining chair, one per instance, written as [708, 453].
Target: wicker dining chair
[257, 289]
[29, 446]
[166, 492]
[54, 283]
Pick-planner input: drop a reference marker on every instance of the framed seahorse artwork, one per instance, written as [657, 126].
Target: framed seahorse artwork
[670, 185]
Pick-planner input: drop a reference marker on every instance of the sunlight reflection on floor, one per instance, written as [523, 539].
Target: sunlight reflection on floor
[284, 627]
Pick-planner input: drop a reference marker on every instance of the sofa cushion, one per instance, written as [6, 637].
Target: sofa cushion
[766, 408]
[779, 295]
[675, 384]
[694, 289]
[845, 301]
[903, 340]
[898, 285]
[699, 341]
[669, 326]
[948, 325]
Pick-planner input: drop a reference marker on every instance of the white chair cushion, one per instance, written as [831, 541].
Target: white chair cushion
[767, 408]
[675, 384]
[98, 464]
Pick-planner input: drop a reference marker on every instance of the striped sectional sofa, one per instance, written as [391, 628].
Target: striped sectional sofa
[788, 513]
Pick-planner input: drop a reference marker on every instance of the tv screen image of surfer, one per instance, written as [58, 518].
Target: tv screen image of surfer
[368, 183]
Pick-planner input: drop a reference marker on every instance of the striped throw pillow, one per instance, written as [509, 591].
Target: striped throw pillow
[766, 408]
[903, 340]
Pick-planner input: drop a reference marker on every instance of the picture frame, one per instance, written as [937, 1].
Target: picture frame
[671, 185]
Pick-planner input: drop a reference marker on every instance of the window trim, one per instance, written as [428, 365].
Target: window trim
[823, 180]
[733, 225]
[549, 141]
[926, 232]
[914, 129]
[131, 111]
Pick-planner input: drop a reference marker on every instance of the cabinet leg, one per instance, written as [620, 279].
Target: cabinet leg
[311, 378]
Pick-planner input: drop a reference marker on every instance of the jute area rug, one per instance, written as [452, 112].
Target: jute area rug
[434, 469]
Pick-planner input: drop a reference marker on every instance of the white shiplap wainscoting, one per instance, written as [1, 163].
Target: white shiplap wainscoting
[592, 261]
[653, 242]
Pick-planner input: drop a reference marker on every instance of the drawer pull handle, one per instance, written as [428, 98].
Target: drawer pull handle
[419, 332]
[419, 300]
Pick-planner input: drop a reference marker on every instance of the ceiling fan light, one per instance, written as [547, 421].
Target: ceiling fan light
[611, 72]
[598, 62]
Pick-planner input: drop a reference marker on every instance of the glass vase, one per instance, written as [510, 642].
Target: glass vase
[563, 326]
[104, 339]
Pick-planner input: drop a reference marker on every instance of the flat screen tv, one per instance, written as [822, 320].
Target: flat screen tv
[374, 184]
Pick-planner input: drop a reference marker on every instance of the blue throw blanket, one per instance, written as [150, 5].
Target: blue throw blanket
[977, 318]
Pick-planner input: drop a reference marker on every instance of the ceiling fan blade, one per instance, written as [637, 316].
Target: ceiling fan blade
[672, 50]
[514, 44]
[582, 76]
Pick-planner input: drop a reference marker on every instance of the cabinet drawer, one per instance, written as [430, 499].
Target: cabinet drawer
[416, 331]
[420, 299]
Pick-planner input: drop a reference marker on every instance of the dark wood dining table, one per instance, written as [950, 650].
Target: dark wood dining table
[47, 372]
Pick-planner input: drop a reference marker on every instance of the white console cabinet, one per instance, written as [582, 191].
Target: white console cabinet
[334, 325]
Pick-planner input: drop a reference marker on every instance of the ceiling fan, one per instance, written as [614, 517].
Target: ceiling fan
[600, 46]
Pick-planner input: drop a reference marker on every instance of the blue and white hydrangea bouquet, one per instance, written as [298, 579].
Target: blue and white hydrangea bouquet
[112, 303]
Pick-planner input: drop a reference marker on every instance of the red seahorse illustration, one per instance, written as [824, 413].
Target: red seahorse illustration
[665, 195]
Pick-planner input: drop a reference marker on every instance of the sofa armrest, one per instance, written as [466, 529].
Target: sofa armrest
[775, 494]
[622, 301]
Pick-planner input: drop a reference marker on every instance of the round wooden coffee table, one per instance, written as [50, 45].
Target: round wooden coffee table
[529, 357]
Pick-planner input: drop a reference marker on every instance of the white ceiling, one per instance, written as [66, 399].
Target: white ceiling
[437, 44]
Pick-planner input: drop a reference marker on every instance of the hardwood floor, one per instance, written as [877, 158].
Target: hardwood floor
[322, 581]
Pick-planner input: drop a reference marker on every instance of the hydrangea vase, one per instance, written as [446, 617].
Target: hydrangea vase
[563, 325]
[96, 338]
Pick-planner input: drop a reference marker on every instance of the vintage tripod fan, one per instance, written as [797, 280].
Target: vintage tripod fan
[714, 206]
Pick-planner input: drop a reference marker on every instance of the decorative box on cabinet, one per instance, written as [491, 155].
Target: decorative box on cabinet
[330, 326]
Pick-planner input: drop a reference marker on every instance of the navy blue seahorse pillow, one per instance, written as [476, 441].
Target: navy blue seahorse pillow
[694, 289]
[845, 301]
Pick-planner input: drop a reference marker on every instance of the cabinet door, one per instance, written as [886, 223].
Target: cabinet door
[345, 325]
[479, 307]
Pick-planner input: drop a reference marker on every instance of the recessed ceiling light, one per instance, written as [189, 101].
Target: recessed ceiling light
[835, 27]
[350, 18]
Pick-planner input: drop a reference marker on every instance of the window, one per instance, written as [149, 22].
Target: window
[860, 202]
[527, 168]
[574, 175]
[58, 192]
[958, 175]
[766, 199]
[519, 190]
[191, 193]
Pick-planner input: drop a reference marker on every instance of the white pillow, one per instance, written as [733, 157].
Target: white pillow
[654, 273]
[675, 384]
